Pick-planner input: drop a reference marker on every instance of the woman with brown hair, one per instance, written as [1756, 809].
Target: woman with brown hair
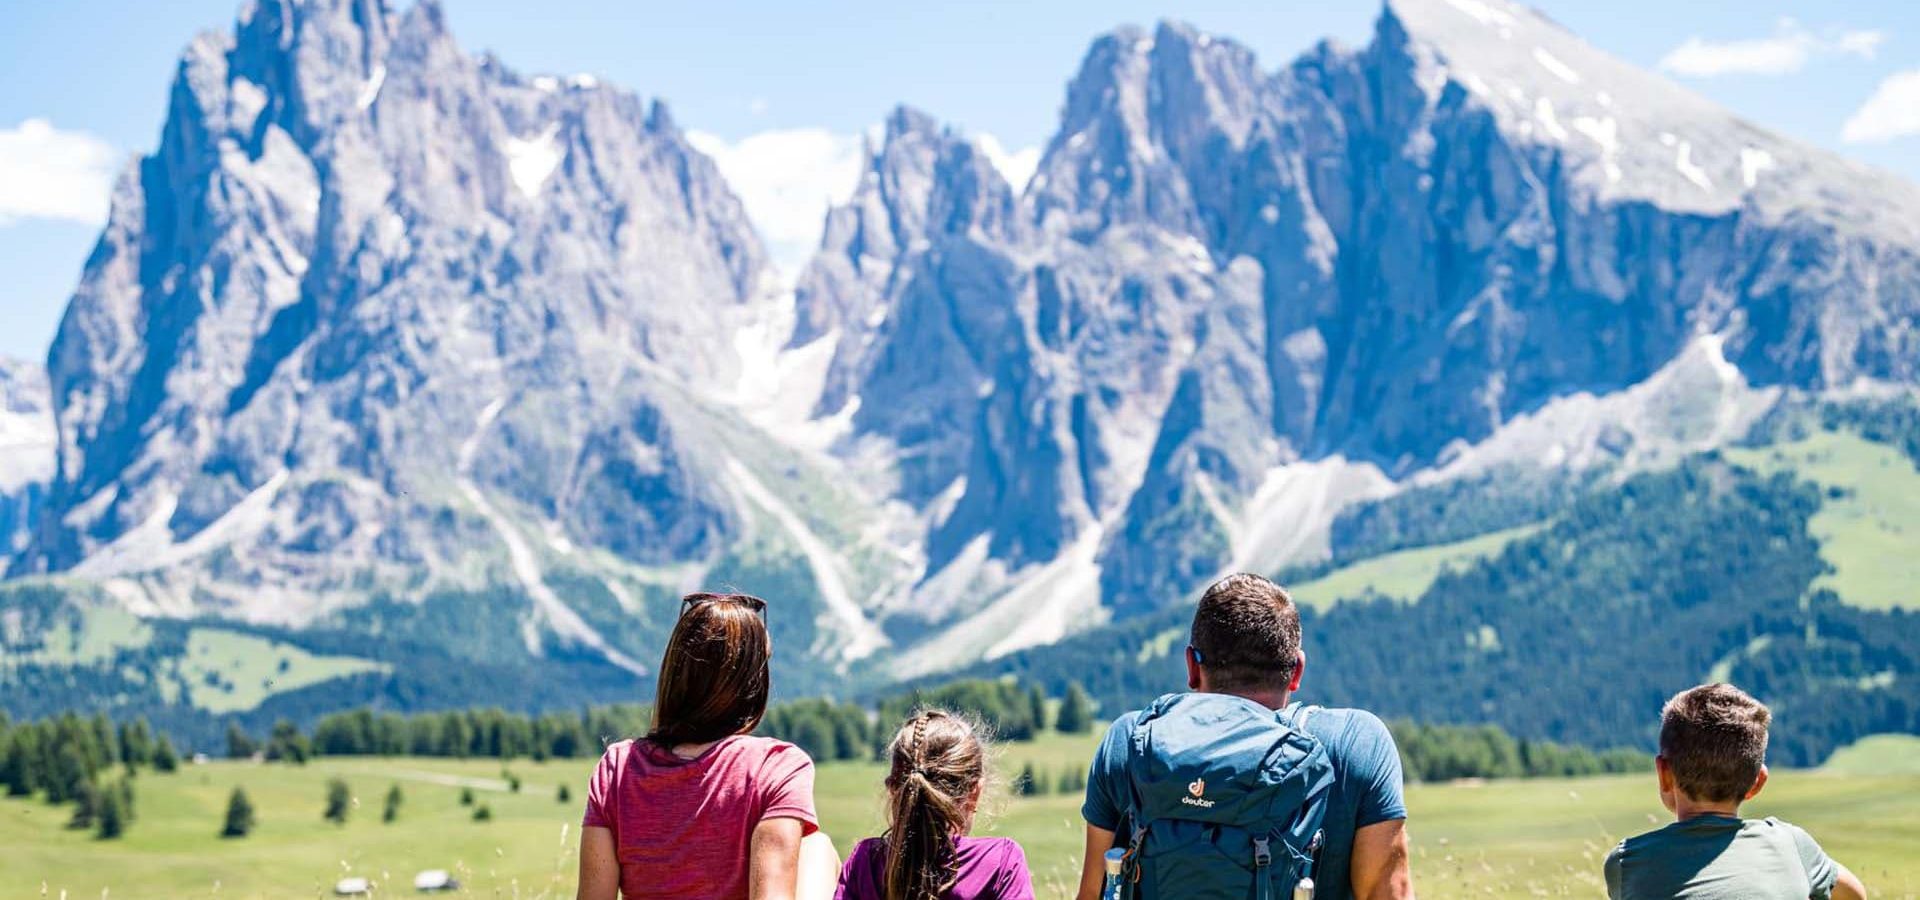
[933, 790]
[700, 807]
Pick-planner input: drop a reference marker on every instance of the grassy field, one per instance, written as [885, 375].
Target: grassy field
[1882, 754]
[230, 672]
[1516, 838]
[1405, 574]
[1869, 528]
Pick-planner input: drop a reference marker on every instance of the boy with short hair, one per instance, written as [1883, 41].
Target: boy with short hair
[1713, 747]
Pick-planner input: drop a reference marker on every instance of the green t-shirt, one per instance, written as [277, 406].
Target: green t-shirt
[1721, 858]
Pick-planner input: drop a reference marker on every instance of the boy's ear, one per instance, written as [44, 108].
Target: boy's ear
[1194, 681]
[1299, 669]
[1758, 783]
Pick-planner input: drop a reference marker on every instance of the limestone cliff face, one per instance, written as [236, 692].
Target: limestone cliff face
[1384, 254]
[369, 293]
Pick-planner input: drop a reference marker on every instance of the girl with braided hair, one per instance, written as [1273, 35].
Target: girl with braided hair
[933, 791]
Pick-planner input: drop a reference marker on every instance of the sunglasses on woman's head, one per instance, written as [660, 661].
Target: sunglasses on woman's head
[749, 601]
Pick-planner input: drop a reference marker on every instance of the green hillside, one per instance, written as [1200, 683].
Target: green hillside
[1403, 574]
[1868, 524]
[1578, 629]
[1880, 754]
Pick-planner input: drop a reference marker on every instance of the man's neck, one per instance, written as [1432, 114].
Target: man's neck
[1268, 699]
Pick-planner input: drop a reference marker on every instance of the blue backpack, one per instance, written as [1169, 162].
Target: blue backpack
[1227, 800]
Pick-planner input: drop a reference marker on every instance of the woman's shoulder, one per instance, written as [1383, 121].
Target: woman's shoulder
[769, 749]
[618, 751]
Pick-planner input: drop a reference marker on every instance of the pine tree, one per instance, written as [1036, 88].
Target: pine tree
[564, 795]
[1037, 709]
[815, 736]
[136, 743]
[466, 796]
[287, 743]
[1073, 780]
[70, 770]
[239, 815]
[115, 812]
[849, 734]
[164, 759]
[17, 763]
[392, 810]
[104, 747]
[1028, 784]
[240, 745]
[86, 806]
[483, 813]
[339, 798]
[1076, 711]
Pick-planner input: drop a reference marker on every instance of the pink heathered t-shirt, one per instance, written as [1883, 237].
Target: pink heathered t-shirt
[684, 827]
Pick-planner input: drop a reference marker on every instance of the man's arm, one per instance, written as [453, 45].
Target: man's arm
[1093, 869]
[599, 865]
[1379, 867]
[773, 867]
[1847, 886]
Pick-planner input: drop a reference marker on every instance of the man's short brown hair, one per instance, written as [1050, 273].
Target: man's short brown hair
[1714, 738]
[1247, 632]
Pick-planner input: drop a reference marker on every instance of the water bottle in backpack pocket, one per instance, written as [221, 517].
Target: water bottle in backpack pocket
[1227, 800]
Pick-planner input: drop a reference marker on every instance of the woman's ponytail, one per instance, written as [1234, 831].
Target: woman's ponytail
[938, 763]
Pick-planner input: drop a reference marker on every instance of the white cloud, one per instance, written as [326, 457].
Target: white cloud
[1893, 111]
[1017, 167]
[47, 173]
[757, 106]
[787, 179]
[1787, 51]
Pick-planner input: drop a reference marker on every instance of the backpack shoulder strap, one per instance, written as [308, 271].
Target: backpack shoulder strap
[1136, 757]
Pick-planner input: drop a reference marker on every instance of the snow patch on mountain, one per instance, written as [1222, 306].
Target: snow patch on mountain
[1034, 606]
[530, 161]
[1697, 402]
[1289, 518]
[1753, 161]
[371, 92]
[548, 606]
[860, 636]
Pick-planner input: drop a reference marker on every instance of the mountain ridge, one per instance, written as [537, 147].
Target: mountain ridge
[381, 324]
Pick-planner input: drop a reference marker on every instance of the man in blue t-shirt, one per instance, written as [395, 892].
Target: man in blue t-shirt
[1246, 644]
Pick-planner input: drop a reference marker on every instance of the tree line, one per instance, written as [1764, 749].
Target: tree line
[88, 764]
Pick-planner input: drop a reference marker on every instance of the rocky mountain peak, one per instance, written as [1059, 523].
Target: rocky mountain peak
[924, 185]
[381, 316]
[1148, 114]
[360, 267]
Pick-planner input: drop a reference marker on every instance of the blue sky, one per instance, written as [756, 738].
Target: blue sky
[780, 91]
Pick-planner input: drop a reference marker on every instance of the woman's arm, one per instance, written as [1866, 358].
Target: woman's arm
[773, 862]
[599, 865]
[819, 877]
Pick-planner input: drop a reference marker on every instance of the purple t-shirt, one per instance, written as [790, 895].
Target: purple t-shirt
[989, 868]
